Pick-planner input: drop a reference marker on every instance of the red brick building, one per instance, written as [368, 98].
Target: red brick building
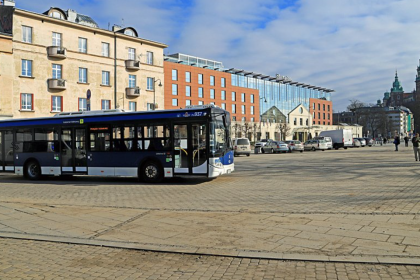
[321, 110]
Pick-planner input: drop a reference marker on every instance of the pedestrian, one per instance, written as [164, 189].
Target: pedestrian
[385, 140]
[416, 141]
[396, 142]
[406, 139]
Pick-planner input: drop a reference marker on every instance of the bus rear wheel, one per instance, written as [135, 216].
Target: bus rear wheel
[151, 172]
[32, 170]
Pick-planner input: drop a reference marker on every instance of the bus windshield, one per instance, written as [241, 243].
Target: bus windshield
[219, 134]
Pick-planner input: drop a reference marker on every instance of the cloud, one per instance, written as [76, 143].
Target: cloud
[351, 46]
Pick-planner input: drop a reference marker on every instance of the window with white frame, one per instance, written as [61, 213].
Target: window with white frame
[200, 92]
[223, 82]
[82, 45]
[105, 49]
[57, 71]
[187, 91]
[82, 104]
[252, 119]
[105, 78]
[131, 54]
[200, 102]
[174, 75]
[223, 94]
[56, 103]
[212, 80]
[105, 104]
[243, 111]
[252, 110]
[188, 77]
[233, 108]
[224, 106]
[150, 83]
[200, 79]
[132, 81]
[243, 97]
[212, 93]
[26, 102]
[26, 68]
[83, 75]
[174, 89]
[187, 102]
[149, 59]
[132, 106]
[26, 34]
[174, 102]
[252, 98]
[233, 96]
[56, 39]
[150, 106]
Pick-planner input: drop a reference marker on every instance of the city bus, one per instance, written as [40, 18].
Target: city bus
[150, 145]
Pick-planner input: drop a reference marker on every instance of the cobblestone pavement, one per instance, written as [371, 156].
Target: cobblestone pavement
[355, 205]
[45, 260]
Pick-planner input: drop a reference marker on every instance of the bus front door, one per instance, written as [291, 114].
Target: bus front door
[190, 148]
[73, 151]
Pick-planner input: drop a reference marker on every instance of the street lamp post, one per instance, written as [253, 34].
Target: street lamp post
[154, 91]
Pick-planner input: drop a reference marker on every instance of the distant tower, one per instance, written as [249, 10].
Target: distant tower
[8, 3]
[397, 92]
[417, 96]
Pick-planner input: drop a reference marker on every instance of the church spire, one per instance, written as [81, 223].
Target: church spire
[396, 86]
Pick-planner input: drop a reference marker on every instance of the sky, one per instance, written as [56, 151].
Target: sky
[351, 46]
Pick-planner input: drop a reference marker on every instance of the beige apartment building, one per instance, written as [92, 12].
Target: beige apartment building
[62, 61]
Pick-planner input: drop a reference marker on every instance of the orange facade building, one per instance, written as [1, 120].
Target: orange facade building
[321, 110]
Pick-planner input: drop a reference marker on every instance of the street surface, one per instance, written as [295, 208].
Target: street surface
[346, 214]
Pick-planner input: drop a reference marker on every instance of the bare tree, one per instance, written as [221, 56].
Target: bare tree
[284, 130]
[355, 104]
[246, 128]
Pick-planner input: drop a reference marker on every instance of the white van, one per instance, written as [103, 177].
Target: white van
[241, 146]
[341, 138]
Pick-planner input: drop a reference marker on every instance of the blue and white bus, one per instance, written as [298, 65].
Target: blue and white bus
[150, 145]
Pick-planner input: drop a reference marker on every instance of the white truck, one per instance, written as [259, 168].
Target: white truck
[341, 138]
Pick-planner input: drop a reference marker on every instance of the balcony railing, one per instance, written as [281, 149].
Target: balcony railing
[55, 51]
[56, 84]
[132, 91]
[132, 64]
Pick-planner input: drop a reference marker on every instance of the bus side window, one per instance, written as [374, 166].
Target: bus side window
[24, 140]
[139, 138]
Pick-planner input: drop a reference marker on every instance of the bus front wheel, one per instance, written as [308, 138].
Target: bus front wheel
[32, 170]
[151, 172]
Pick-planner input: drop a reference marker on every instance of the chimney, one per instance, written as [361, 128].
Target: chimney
[71, 15]
[8, 3]
[115, 28]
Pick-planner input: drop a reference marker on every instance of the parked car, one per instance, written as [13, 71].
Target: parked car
[315, 144]
[362, 141]
[262, 143]
[356, 143]
[369, 141]
[275, 147]
[327, 139]
[241, 146]
[294, 145]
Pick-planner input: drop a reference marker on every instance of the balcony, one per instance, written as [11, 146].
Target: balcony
[56, 84]
[132, 64]
[57, 52]
[132, 92]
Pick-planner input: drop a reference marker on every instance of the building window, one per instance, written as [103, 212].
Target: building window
[243, 97]
[224, 106]
[234, 118]
[105, 78]
[174, 89]
[132, 81]
[233, 96]
[307, 122]
[243, 110]
[105, 104]
[83, 75]
[252, 98]
[295, 121]
[252, 119]
[200, 92]
[187, 102]
[150, 107]
[83, 45]
[57, 71]
[252, 110]
[323, 107]
[187, 91]
[82, 104]
[212, 80]
[56, 103]
[301, 121]
[27, 102]
[328, 108]
[223, 95]
[212, 93]
[200, 102]
[174, 75]
[26, 34]
[319, 115]
[105, 49]
[200, 79]
[328, 115]
[26, 68]
[313, 115]
[56, 39]
[223, 82]
[233, 108]
[323, 116]
[319, 107]
[131, 54]
[149, 59]
[174, 102]
[132, 106]
[188, 77]
[313, 106]
[150, 83]
[244, 119]
[323, 123]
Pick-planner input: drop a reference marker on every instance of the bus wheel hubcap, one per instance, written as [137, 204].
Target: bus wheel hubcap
[151, 171]
[32, 170]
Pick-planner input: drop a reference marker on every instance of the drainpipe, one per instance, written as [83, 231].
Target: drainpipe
[115, 71]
